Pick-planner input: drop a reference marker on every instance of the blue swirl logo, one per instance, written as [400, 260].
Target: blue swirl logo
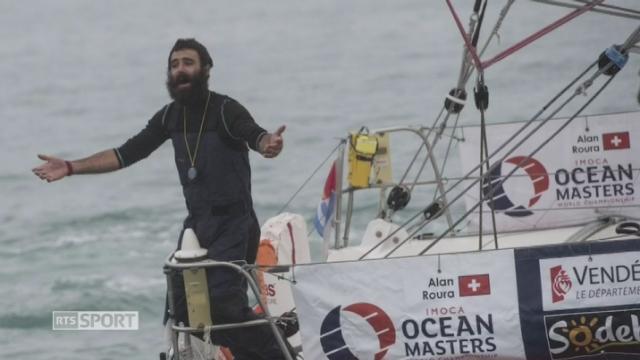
[538, 176]
[332, 336]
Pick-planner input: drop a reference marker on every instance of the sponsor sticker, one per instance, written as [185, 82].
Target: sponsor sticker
[590, 281]
[583, 335]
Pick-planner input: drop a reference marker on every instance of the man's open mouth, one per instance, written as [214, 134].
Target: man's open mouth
[183, 81]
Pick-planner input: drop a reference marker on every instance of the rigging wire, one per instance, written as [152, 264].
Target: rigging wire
[446, 154]
[629, 43]
[623, 12]
[454, 96]
[494, 33]
[517, 133]
[521, 44]
[476, 33]
[497, 26]
[540, 33]
[481, 95]
[500, 148]
[548, 173]
[544, 143]
[609, 6]
[594, 207]
[483, 139]
[415, 156]
[579, 90]
[632, 39]
[466, 69]
[465, 37]
[310, 177]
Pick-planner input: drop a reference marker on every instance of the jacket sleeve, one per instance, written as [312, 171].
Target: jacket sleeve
[239, 124]
[145, 142]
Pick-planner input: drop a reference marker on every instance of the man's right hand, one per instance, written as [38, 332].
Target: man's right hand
[54, 168]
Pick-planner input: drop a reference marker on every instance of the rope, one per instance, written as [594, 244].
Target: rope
[494, 33]
[470, 173]
[539, 34]
[579, 208]
[465, 37]
[264, 268]
[480, 189]
[484, 149]
[446, 154]
[476, 31]
[415, 156]
[508, 153]
[461, 83]
[482, 105]
[480, 65]
[498, 25]
[623, 12]
[631, 40]
[515, 169]
[309, 178]
[607, 6]
[465, 54]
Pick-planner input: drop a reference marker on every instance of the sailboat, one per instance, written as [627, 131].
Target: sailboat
[530, 250]
[540, 264]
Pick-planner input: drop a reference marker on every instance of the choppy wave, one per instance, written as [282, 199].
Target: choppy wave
[37, 320]
[95, 295]
[134, 224]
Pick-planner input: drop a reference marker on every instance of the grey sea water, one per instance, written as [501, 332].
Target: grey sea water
[83, 76]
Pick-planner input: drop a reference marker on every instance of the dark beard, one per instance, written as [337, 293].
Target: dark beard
[194, 94]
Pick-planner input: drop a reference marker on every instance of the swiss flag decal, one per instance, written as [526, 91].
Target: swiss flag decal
[616, 141]
[473, 285]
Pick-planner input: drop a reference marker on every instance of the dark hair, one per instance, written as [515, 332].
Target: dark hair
[191, 43]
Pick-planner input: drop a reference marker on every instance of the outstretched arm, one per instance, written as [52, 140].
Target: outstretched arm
[136, 148]
[55, 169]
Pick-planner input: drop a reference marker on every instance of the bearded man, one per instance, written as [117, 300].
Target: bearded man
[211, 134]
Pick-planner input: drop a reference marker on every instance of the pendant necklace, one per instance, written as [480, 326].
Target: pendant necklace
[192, 173]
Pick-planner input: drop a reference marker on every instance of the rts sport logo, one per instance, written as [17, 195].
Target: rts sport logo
[560, 283]
[537, 175]
[333, 330]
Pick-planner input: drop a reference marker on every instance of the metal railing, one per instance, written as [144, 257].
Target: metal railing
[438, 182]
[170, 266]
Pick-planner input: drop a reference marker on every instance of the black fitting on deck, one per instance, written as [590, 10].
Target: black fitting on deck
[432, 211]
[398, 198]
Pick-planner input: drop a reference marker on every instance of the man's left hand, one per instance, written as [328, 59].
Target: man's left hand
[271, 144]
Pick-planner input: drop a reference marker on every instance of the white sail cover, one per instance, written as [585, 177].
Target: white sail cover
[448, 307]
[577, 301]
[588, 170]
